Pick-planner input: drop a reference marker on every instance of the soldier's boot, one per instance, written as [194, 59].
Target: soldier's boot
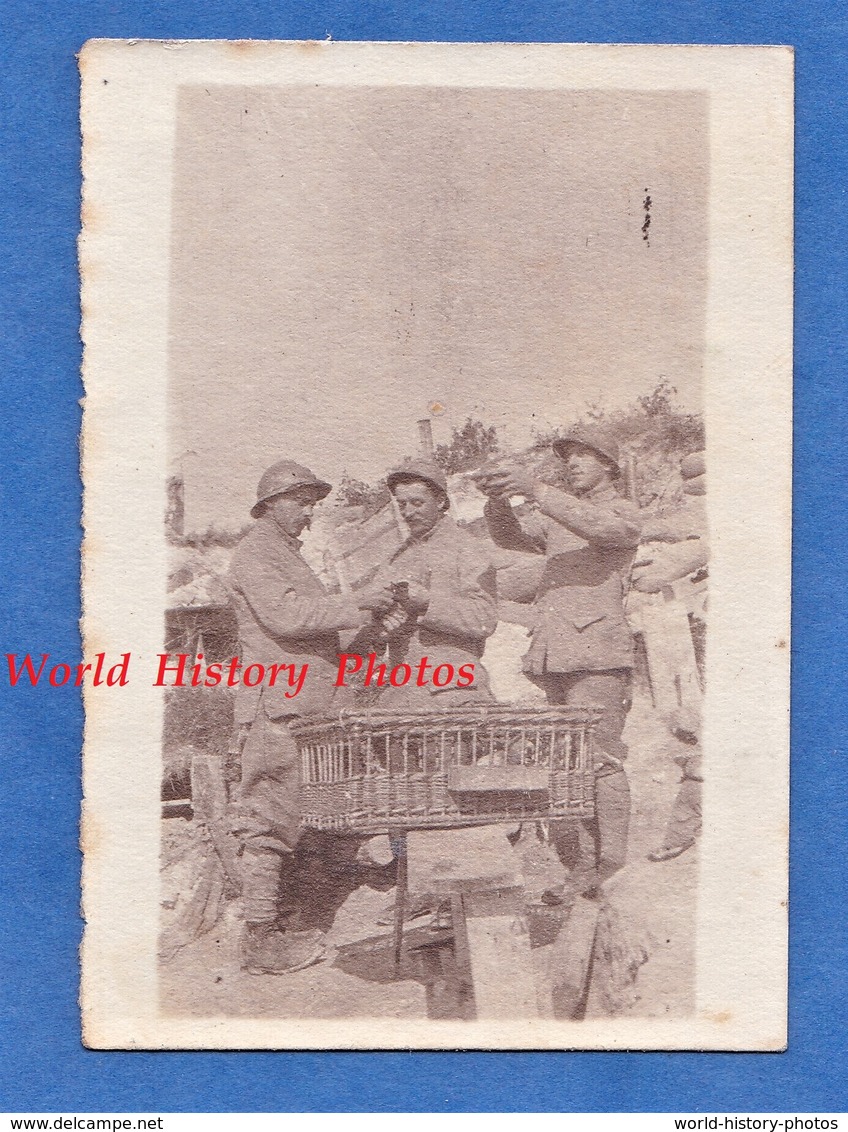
[684, 824]
[594, 850]
[265, 950]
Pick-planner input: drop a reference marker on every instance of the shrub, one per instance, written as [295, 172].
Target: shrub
[469, 447]
[357, 493]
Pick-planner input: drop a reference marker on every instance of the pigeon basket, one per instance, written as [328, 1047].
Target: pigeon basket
[373, 771]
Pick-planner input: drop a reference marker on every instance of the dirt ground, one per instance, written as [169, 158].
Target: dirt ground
[646, 929]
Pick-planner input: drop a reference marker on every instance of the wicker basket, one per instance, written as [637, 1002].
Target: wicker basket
[372, 771]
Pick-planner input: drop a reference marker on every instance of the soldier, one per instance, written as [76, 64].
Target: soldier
[581, 650]
[284, 616]
[674, 546]
[445, 588]
[444, 610]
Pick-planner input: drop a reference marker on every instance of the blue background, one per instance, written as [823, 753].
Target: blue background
[42, 1065]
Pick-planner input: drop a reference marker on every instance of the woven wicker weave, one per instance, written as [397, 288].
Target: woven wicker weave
[371, 771]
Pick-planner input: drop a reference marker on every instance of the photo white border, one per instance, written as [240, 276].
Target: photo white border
[128, 117]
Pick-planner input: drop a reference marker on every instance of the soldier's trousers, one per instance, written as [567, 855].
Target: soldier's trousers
[265, 815]
[595, 849]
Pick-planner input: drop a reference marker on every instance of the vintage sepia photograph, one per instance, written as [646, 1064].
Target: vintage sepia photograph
[455, 705]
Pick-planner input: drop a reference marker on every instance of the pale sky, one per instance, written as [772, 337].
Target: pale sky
[344, 257]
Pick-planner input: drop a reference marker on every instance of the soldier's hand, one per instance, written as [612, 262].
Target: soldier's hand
[647, 577]
[393, 620]
[504, 482]
[483, 482]
[377, 598]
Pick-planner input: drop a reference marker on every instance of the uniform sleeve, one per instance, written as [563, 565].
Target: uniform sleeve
[664, 528]
[685, 522]
[272, 597]
[513, 532]
[462, 602]
[611, 525]
[665, 562]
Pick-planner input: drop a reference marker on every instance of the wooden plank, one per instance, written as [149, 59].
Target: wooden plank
[446, 862]
[671, 653]
[446, 975]
[571, 958]
[477, 869]
[499, 954]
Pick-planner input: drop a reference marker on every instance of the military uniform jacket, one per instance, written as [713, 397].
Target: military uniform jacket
[456, 569]
[589, 542]
[285, 616]
[677, 539]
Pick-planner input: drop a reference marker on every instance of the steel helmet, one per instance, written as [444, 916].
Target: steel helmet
[285, 476]
[588, 437]
[424, 470]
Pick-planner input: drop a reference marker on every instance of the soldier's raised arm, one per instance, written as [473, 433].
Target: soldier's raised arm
[511, 531]
[592, 511]
[613, 524]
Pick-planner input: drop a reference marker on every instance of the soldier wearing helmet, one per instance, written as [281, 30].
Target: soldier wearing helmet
[446, 595]
[284, 616]
[675, 546]
[581, 650]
